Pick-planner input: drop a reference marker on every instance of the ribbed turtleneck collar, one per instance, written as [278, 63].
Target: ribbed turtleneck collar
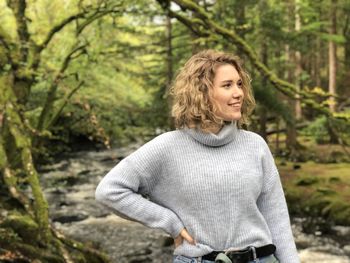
[225, 135]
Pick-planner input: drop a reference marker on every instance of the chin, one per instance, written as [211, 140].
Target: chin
[235, 118]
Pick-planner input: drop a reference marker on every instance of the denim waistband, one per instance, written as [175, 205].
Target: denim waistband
[183, 259]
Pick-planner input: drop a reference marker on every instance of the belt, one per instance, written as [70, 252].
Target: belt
[243, 255]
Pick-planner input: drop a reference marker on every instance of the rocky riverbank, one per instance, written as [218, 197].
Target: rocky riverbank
[70, 184]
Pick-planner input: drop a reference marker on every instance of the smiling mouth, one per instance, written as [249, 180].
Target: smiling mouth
[235, 105]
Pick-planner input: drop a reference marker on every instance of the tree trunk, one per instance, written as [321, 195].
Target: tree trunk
[263, 111]
[332, 57]
[169, 51]
[239, 7]
[345, 80]
[24, 217]
[346, 34]
[291, 138]
[298, 66]
[169, 62]
[318, 63]
[196, 47]
[28, 220]
[15, 135]
[291, 132]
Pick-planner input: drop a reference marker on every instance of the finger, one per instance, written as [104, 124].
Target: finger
[178, 241]
[187, 237]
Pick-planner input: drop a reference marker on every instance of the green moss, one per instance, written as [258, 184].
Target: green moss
[34, 252]
[23, 225]
[339, 211]
[305, 181]
[19, 235]
[7, 236]
[334, 179]
[318, 190]
[325, 190]
[40, 204]
[78, 257]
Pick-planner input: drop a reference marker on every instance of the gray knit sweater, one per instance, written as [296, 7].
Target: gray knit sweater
[223, 188]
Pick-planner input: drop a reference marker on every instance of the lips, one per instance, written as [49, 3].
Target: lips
[235, 104]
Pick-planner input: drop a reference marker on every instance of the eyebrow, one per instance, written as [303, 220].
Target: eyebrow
[230, 81]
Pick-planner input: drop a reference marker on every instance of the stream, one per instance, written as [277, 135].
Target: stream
[70, 186]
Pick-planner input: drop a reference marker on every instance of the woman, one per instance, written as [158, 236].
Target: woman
[212, 186]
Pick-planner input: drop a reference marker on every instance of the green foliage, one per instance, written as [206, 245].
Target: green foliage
[120, 73]
[317, 130]
[268, 97]
[341, 126]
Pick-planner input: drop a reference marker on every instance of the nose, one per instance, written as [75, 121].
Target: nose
[237, 92]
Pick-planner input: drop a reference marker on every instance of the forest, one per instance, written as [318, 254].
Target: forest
[94, 75]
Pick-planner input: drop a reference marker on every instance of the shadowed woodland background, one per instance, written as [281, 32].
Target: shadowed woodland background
[94, 74]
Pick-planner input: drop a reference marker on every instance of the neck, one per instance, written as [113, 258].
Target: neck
[217, 128]
[214, 129]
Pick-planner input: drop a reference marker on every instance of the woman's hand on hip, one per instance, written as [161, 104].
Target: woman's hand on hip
[184, 235]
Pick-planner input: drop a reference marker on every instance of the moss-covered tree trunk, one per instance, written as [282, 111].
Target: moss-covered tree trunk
[25, 229]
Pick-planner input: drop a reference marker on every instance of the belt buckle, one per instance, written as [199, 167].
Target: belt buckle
[238, 256]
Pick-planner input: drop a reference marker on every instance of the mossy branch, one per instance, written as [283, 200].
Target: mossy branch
[93, 254]
[40, 205]
[11, 183]
[51, 95]
[65, 101]
[190, 23]
[98, 14]
[58, 28]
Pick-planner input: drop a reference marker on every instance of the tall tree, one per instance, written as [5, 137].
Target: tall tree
[298, 68]
[332, 55]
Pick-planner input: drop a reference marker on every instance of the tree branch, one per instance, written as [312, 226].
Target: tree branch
[90, 15]
[53, 88]
[190, 23]
[65, 101]
[94, 17]
[57, 28]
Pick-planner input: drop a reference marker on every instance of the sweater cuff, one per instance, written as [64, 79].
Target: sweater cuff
[176, 229]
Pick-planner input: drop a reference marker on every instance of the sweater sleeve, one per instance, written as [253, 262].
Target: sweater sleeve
[124, 187]
[272, 204]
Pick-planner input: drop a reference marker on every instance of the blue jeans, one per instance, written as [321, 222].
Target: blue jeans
[183, 259]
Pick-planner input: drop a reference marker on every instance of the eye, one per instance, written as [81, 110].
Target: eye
[240, 83]
[227, 85]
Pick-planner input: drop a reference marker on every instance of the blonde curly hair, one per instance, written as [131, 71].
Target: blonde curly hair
[192, 89]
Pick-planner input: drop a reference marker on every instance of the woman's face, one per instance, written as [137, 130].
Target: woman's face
[228, 93]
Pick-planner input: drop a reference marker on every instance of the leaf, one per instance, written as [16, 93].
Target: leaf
[339, 39]
[314, 26]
